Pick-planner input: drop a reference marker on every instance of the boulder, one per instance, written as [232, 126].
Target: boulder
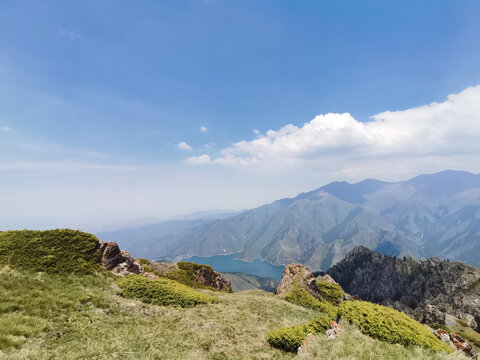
[456, 342]
[118, 261]
[211, 278]
[334, 330]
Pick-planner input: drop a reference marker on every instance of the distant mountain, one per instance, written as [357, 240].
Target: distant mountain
[241, 282]
[429, 215]
[143, 241]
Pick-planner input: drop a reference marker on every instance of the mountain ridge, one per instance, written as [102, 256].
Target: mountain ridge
[429, 215]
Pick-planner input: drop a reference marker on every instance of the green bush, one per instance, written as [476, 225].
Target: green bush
[389, 325]
[300, 296]
[162, 291]
[146, 265]
[53, 251]
[290, 338]
[333, 293]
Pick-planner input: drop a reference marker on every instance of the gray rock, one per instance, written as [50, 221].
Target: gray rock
[411, 285]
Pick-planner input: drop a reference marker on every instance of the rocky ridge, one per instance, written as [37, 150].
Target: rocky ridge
[432, 290]
[120, 262]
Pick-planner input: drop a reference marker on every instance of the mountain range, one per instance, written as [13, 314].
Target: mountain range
[428, 215]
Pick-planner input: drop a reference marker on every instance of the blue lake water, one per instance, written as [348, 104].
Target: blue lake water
[228, 263]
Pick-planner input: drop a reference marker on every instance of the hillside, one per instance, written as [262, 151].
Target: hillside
[44, 319]
[429, 288]
[59, 313]
[429, 215]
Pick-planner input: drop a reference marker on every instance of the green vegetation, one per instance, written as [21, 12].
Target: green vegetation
[146, 265]
[333, 293]
[352, 344]
[57, 316]
[300, 296]
[290, 338]
[53, 251]
[389, 325]
[31, 303]
[186, 273]
[162, 291]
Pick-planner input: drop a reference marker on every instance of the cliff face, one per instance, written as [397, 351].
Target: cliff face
[411, 285]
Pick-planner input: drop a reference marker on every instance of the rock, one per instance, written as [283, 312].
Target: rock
[305, 341]
[334, 330]
[297, 273]
[432, 315]
[411, 285]
[456, 342]
[450, 320]
[469, 320]
[118, 261]
[291, 273]
[211, 278]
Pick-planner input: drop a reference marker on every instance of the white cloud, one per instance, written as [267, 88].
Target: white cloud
[72, 35]
[256, 132]
[184, 146]
[195, 160]
[442, 130]
[203, 129]
[6, 129]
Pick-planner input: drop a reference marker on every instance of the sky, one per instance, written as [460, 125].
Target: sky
[118, 110]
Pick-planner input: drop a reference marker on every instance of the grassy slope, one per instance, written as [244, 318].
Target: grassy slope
[54, 316]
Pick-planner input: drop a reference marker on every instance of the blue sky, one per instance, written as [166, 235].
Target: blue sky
[96, 96]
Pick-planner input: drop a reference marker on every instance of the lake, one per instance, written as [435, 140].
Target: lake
[228, 263]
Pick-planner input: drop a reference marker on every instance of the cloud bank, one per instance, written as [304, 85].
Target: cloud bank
[447, 129]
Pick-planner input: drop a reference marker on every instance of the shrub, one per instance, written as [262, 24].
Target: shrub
[53, 251]
[333, 293]
[186, 273]
[162, 291]
[146, 265]
[300, 296]
[290, 338]
[389, 325]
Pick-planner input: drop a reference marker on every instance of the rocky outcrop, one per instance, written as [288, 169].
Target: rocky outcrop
[211, 278]
[410, 285]
[118, 261]
[294, 273]
[322, 286]
[456, 342]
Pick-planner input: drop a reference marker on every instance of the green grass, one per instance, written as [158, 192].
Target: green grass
[300, 296]
[31, 303]
[352, 344]
[162, 291]
[84, 317]
[290, 338]
[54, 251]
[390, 325]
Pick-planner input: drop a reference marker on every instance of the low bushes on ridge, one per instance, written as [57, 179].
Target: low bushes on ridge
[162, 291]
[386, 324]
[300, 296]
[54, 251]
[290, 338]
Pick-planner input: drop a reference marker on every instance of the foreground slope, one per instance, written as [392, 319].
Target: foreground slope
[47, 316]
